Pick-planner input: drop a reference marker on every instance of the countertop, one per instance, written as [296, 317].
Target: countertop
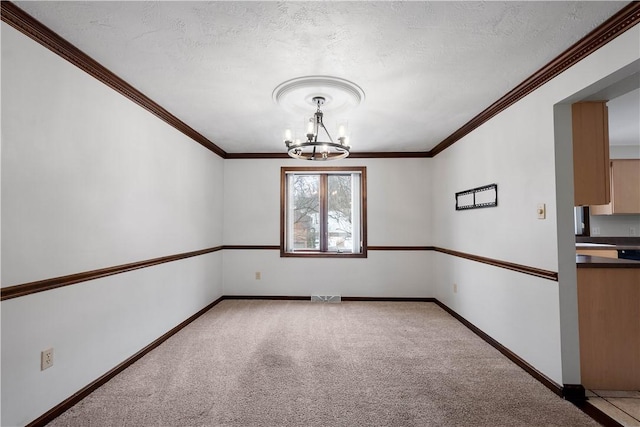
[606, 246]
[588, 261]
[609, 240]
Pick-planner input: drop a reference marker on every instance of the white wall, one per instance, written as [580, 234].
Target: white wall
[91, 180]
[519, 311]
[516, 150]
[615, 225]
[624, 151]
[507, 305]
[398, 194]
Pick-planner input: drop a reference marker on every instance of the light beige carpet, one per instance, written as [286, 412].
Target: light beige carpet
[297, 363]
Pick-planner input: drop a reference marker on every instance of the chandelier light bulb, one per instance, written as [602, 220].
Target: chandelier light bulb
[287, 135]
[342, 129]
[311, 131]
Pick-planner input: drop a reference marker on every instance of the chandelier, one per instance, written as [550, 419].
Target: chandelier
[314, 149]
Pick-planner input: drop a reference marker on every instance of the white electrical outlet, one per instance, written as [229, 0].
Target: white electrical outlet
[632, 231]
[595, 231]
[46, 359]
[455, 288]
[258, 275]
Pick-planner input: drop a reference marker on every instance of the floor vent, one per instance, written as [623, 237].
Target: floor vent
[326, 298]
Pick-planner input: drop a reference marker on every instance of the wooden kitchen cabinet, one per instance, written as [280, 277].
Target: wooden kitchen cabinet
[590, 153]
[625, 189]
[609, 328]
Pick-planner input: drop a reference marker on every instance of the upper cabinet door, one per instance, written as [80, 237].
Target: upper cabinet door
[590, 153]
[625, 189]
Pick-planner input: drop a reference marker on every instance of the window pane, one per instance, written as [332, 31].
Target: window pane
[340, 218]
[304, 213]
[578, 220]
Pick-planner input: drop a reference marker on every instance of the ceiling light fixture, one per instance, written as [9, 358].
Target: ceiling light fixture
[312, 148]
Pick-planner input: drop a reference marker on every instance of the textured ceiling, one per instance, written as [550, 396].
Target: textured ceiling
[426, 68]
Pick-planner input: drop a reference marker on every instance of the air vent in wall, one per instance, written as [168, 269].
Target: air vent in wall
[326, 298]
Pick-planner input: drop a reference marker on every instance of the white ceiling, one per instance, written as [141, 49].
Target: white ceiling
[426, 68]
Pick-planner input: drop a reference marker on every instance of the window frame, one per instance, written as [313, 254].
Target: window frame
[586, 213]
[326, 170]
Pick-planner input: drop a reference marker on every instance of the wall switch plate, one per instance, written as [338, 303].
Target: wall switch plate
[542, 211]
[632, 231]
[595, 231]
[46, 359]
[258, 275]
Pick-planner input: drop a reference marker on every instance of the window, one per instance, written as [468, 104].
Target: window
[581, 220]
[323, 212]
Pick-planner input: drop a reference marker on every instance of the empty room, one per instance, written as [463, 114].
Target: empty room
[320, 213]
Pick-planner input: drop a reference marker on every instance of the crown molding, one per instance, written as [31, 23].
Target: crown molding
[245, 156]
[390, 154]
[34, 29]
[625, 19]
[360, 155]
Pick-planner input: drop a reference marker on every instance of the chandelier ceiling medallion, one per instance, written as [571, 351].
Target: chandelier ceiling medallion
[338, 95]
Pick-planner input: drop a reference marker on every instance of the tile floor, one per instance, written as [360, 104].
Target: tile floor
[622, 406]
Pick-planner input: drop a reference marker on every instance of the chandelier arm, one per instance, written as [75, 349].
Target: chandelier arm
[327, 132]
